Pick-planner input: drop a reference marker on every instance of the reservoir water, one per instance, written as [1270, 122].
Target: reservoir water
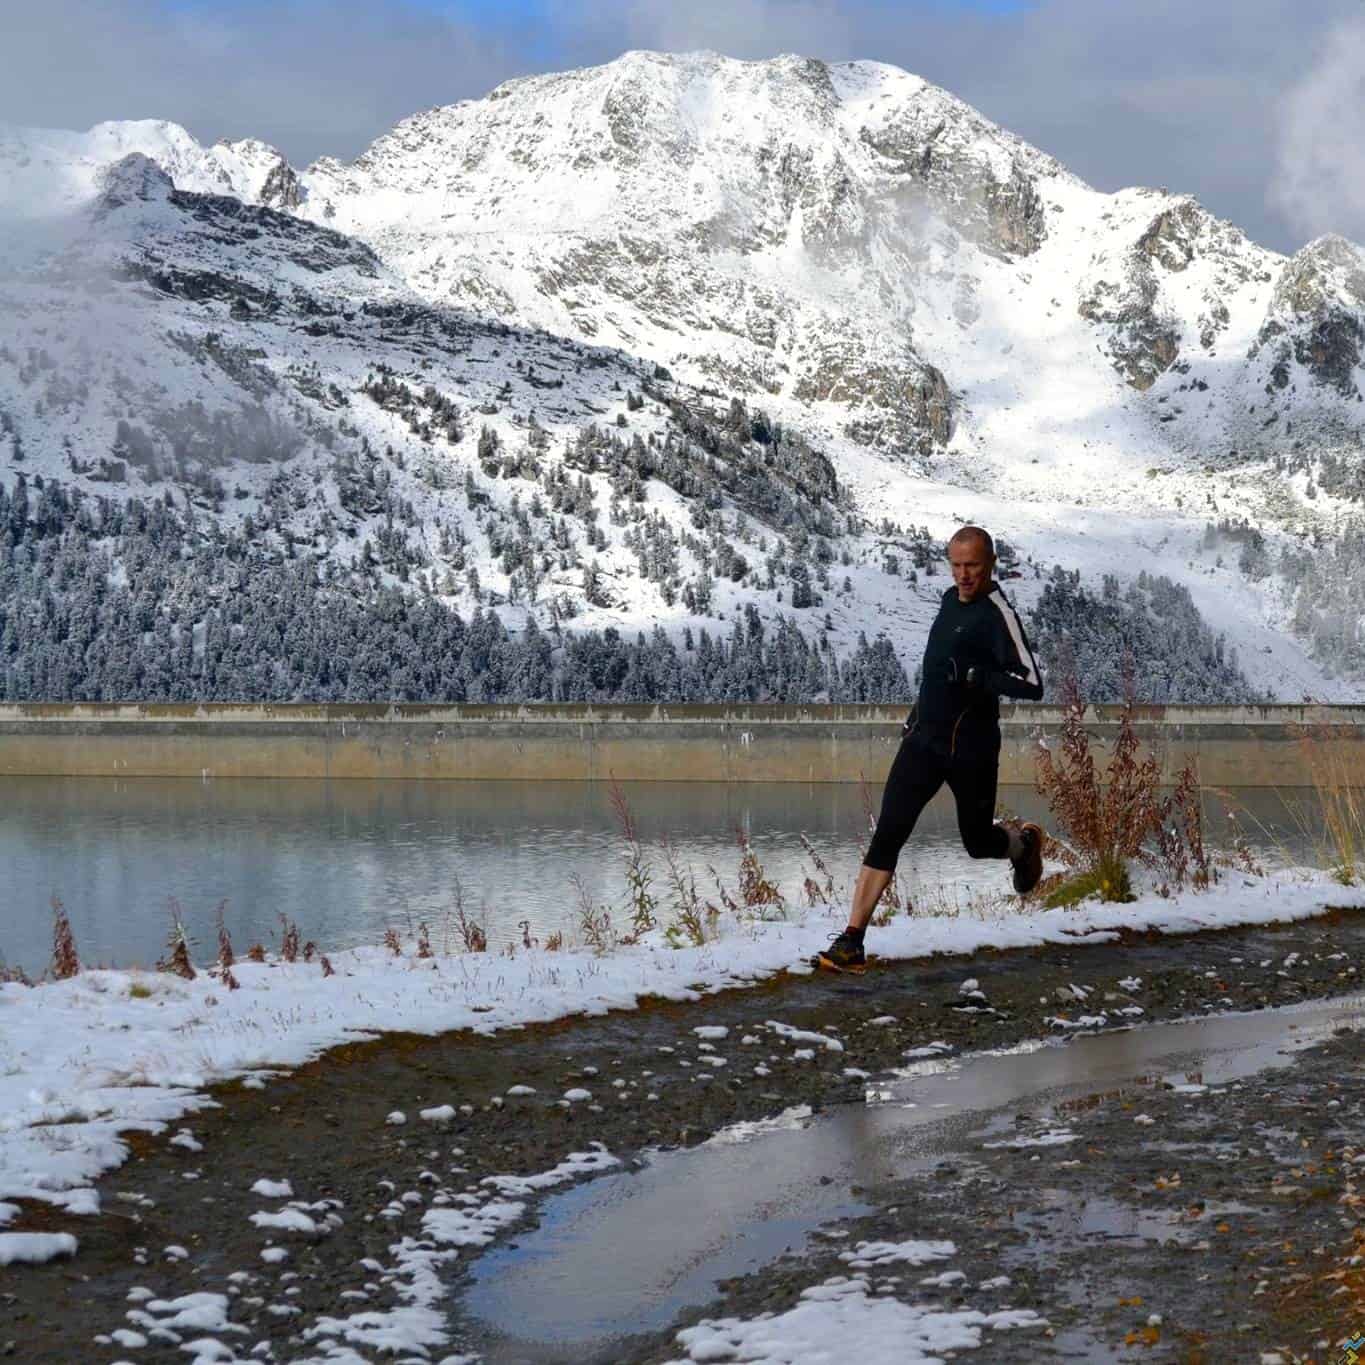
[346, 860]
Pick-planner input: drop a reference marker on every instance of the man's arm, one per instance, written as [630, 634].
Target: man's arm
[1015, 673]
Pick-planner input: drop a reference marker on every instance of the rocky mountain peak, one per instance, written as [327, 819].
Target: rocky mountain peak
[1317, 316]
[133, 177]
[776, 191]
[1327, 271]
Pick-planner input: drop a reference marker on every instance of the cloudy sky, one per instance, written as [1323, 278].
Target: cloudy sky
[1252, 105]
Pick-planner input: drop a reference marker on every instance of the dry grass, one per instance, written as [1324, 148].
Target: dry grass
[472, 934]
[65, 962]
[1240, 853]
[223, 967]
[177, 959]
[1107, 823]
[1340, 837]
[225, 954]
[821, 891]
[755, 890]
[941, 900]
[9, 974]
[641, 905]
[693, 923]
[289, 939]
[594, 921]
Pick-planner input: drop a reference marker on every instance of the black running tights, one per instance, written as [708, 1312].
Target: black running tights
[915, 776]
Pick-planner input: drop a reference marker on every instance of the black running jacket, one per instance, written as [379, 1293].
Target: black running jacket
[977, 653]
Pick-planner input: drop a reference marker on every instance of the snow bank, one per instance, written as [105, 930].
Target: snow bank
[832, 1316]
[33, 1248]
[86, 1060]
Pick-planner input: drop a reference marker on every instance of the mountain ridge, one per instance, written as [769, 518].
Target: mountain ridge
[953, 320]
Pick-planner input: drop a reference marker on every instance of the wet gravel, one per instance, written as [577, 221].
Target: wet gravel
[1228, 1237]
[1276, 1144]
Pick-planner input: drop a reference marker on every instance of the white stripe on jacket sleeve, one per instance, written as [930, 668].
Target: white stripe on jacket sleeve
[1017, 637]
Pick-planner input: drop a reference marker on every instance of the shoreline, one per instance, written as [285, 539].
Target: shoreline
[108, 1052]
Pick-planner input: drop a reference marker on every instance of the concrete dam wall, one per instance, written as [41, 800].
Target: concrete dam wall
[1253, 746]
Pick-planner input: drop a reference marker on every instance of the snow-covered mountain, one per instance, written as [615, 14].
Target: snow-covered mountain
[953, 325]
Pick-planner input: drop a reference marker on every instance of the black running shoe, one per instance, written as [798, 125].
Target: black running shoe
[844, 954]
[1028, 866]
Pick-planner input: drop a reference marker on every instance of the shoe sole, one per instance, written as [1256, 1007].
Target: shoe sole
[826, 965]
[1029, 872]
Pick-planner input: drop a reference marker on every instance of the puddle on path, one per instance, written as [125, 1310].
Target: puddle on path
[625, 1253]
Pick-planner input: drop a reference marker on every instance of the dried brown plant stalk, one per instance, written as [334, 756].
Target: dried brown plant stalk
[289, 939]
[177, 960]
[754, 886]
[65, 962]
[1107, 822]
[642, 905]
[226, 959]
[472, 934]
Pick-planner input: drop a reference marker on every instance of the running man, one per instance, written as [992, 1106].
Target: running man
[976, 654]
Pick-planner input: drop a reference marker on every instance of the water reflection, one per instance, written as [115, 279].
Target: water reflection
[347, 859]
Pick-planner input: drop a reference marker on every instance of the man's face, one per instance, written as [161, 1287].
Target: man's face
[971, 567]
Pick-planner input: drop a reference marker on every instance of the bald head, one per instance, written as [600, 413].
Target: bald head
[971, 556]
[968, 534]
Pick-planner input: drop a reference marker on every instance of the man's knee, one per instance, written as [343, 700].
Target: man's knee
[884, 851]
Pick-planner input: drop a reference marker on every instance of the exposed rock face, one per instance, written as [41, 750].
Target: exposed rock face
[1171, 237]
[975, 177]
[906, 406]
[133, 177]
[1317, 316]
[1014, 215]
[1153, 319]
[933, 409]
[1143, 344]
[281, 188]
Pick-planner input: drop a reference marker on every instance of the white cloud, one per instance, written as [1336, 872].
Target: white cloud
[1167, 93]
[745, 28]
[312, 77]
[1319, 182]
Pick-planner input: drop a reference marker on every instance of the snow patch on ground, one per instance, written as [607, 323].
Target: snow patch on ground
[419, 1323]
[868, 1254]
[35, 1248]
[797, 1035]
[831, 1317]
[576, 1163]
[85, 1061]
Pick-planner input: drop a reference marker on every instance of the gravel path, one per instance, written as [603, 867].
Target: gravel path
[178, 1215]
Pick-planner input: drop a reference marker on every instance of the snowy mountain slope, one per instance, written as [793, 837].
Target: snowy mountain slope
[960, 325]
[848, 236]
[46, 172]
[243, 363]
